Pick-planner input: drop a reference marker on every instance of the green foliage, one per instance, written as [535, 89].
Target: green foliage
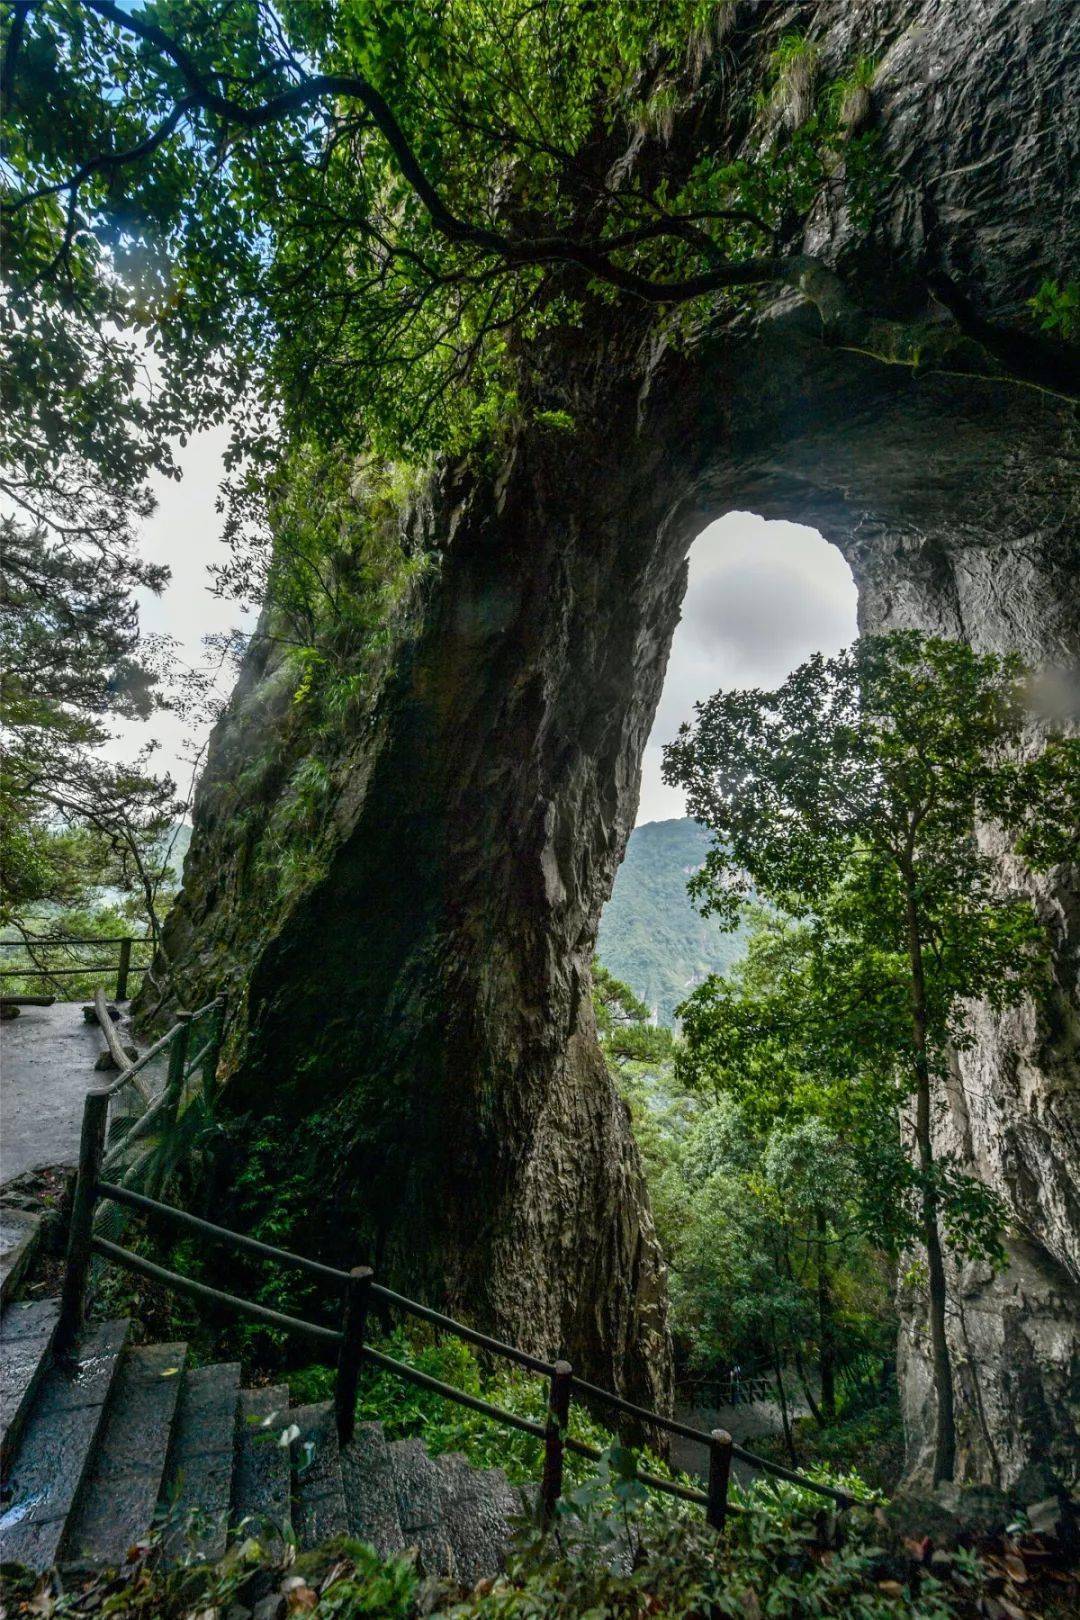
[371, 252]
[776, 1558]
[867, 1431]
[862, 768]
[322, 543]
[736, 1209]
[44, 949]
[1057, 309]
[852, 799]
[365, 1585]
[404, 1409]
[141, 1590]
[792, 69]
[650, 935]
[773, 1036]
[622, 1023]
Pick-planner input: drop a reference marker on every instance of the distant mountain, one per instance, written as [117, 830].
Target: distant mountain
[650, 935]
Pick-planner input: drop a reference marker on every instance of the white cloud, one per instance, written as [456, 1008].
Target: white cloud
[762, 596]
[185, 534]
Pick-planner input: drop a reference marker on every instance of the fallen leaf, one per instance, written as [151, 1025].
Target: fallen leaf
[170, 1372]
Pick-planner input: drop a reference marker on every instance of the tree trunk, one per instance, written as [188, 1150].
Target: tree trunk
[785, 1417]
[815, 1409]
[826, 1334]
[945, 1430]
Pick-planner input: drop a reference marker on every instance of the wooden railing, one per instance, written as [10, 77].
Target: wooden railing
[123, 967]
[357, 1289]
[737, 1389]
[134, 1109]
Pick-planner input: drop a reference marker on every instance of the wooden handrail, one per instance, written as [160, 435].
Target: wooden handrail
[483, 1341]
[64, 940]
[216, 1296]
[120, 1057]
[68, 972]
[236, 1240]
[360, 1283]
[123, 967]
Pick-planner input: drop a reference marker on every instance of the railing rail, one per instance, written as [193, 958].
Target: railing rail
[140, 1106]
[123, 966]
[357, 1288]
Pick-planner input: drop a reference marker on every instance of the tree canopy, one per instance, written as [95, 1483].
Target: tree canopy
[872, 797]
[345, 212]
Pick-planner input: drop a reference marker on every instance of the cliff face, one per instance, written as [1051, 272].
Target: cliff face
[1011, 1111]
[415, 1013]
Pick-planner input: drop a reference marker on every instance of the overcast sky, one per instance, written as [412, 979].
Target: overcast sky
[762, 596]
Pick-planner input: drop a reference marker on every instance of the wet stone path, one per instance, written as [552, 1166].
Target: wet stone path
[47, 1059]
[745, 1423]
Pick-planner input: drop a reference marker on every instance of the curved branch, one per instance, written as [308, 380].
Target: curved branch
[110, 160]
[592, 256]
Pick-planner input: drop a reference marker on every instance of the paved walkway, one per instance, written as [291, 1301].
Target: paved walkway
[46, 1067]
[745, 1423]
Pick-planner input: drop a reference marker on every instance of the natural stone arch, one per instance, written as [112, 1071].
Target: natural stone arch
[482, 801]
[441, 964]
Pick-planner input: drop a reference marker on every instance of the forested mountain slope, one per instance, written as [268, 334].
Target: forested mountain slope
[651, 936]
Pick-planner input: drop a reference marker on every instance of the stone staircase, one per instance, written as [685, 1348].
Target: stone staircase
[100, 1445]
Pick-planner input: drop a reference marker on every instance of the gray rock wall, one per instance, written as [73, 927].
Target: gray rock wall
[413, 1019]
[1012, 1110]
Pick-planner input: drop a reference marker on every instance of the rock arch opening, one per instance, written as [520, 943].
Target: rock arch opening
[761, 596]
[414, 1019]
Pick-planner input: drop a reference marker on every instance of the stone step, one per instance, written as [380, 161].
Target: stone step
[20, 1233]
[370, 1498]
[119, 1495]
[196, 1494]
[26, 1336]
[319, 1491]
[262, 1481]
[56, 1447]
[417, 1488]
[477, 1507]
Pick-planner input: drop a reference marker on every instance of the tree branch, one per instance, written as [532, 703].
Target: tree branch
[593, 256]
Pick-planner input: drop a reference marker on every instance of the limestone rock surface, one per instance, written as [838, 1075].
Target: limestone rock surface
[411, 1013]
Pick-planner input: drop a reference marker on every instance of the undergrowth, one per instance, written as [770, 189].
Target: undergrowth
[773, 1560]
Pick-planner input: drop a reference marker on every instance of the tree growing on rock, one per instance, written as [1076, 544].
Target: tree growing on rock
[872, 796]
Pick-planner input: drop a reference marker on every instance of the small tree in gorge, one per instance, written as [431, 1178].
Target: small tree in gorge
[795, 1039]
[854, 797]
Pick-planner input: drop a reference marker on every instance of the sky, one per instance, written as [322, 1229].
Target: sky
[762, 596]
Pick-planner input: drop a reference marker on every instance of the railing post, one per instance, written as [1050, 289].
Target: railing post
[178, 1056]
[123, 969]
[719, 1475]
[557, 1420]
[353, 1327]
[77, 1268]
